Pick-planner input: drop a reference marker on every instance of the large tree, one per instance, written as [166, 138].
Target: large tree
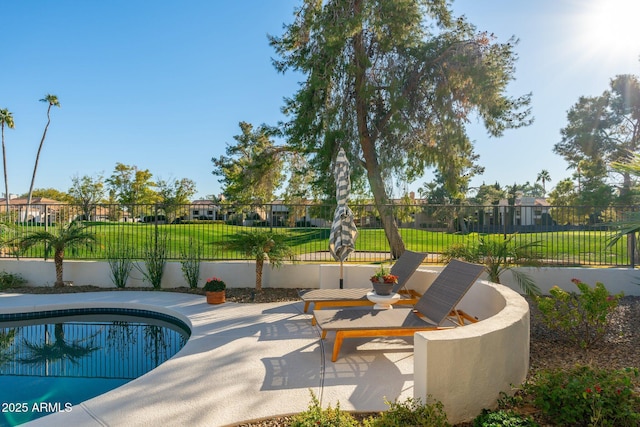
[6, 119]
[131, 186]
[174, 194]
[52, 101]
[87, 191]
[601, 130]
[394, 83]
[251, 171]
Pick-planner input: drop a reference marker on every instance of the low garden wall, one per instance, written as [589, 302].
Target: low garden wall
[240, 274]
[467, 368]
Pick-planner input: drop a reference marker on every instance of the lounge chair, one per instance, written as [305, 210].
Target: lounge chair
[404, 268]
[437, 305]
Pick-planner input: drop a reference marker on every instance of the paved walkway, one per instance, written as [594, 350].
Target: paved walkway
[243, 362]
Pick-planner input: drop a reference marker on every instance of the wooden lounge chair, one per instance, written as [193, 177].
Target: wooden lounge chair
[433, 309]
[404, 268]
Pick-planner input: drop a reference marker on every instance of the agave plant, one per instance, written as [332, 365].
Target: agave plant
[499, 256]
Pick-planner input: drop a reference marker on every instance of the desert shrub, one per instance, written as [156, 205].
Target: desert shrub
[155, 253]
[584, 396]
[411, 412]
[11, 280]
[581, 317]
[329, 417]
[190, 259]
[120, 258]
[503, 418]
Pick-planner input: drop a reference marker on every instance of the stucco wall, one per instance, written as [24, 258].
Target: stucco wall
[302, 275]
[467, 368]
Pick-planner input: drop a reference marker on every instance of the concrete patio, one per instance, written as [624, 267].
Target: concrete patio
[242, 362]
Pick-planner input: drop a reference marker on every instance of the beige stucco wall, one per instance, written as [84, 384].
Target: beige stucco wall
[467, 368]
[307, 275]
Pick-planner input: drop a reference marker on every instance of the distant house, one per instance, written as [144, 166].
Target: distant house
[204, 210]
[40, 211]
[528, 211]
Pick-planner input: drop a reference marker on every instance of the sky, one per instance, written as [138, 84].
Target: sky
[162, 85]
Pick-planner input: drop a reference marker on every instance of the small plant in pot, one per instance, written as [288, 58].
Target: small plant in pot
[383, 281]
[215, 290]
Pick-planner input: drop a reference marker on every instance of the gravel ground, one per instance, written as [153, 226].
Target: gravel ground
[548, 348]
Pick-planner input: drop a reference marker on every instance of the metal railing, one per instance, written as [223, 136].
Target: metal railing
[567, 235]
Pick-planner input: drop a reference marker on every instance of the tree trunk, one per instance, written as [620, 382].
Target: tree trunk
[369, 150]
[6, 183]
[57, 260]
[259, 265]
[35, 167]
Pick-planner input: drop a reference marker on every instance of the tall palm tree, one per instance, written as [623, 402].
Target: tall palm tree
[63, 236]
[6, 118]
[52, 100]
[544, 177]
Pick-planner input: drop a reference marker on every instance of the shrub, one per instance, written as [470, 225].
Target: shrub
[316, 416]
[190, 259]
[582, 318]
[120, 258]
[503, 418]
[584, 396]
[155, 258]
[411, 412]
[11, 280]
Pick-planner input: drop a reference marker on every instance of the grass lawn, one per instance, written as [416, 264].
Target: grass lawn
[566, 247]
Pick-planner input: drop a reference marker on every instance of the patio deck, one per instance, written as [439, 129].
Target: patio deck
[243, 362]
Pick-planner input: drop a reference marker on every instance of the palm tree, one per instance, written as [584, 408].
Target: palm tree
[499, 256]
[58, 351]
[261, 246]
[52, 100]
[64, 236]
[6, 118]
[544, 177]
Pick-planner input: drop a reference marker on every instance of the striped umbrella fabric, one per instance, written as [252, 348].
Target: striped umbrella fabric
[343, 234]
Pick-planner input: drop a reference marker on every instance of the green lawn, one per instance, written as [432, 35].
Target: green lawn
[568, 248]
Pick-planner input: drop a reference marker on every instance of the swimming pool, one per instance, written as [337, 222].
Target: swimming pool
[50, 361]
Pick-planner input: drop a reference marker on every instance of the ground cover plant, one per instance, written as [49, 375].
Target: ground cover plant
[583, 318]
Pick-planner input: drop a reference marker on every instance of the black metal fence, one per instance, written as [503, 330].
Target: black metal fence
[566, 235]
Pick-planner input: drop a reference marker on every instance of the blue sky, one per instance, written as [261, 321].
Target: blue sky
[162, 85]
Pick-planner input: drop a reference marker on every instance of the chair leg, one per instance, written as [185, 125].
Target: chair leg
[324, 334]
[306, 306]
[336, 346]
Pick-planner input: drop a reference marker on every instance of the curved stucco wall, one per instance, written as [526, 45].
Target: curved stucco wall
[467, 368]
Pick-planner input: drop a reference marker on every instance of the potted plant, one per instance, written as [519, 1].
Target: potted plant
[215, 290]
[383, 281]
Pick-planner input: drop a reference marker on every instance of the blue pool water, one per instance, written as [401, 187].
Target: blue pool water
[51, 364]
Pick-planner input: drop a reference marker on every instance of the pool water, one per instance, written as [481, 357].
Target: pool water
[49, 365]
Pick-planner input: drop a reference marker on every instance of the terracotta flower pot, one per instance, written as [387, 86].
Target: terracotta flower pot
[216, 297]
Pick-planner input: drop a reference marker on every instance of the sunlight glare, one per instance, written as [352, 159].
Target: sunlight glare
[611, 29]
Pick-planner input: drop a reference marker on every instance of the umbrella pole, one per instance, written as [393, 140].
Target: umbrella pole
[341, 280]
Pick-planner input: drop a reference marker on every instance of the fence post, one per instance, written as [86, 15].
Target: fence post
[631, 248]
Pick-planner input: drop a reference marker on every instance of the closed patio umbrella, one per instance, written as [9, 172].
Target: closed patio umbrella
[343, 234]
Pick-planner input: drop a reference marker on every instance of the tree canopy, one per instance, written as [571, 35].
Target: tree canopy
[394, 83]
[602, 130]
